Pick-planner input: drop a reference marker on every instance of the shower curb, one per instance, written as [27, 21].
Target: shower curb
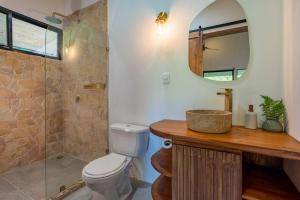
[68, 191]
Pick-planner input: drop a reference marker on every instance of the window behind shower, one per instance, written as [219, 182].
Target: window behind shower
[3, 29]
[27, 35]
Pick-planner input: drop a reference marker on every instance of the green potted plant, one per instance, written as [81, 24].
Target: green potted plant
[275, 113]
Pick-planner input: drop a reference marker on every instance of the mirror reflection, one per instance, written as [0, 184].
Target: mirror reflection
[219, 42]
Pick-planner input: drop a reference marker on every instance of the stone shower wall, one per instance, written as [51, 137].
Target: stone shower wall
[86, 121]
[76, 128]
[54, 108]
[22, 109]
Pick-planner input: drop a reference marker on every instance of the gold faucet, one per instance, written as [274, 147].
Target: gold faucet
[228, 99]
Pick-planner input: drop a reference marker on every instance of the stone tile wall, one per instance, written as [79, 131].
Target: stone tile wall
[85, 122]
[76, 128]
[22, 109]
[54, 108]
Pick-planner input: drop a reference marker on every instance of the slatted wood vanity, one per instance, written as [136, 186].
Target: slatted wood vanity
[210, 166]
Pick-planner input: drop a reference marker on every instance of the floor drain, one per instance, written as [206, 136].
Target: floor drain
[62, 188]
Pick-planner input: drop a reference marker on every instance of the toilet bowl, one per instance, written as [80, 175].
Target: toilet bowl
[108, 177]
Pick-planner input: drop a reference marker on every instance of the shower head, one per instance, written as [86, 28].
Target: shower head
[53, 19]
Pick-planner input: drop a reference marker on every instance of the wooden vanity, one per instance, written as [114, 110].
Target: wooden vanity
[211, 166]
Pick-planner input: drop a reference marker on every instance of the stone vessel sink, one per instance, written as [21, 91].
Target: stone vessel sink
[209, 121]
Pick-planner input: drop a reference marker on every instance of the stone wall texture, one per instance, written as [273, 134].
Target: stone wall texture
[54, 107]
[22, 113]
[86, 121]
[23, 108]
[44, 110]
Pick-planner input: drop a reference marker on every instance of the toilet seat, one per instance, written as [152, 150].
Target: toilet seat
[105, 166]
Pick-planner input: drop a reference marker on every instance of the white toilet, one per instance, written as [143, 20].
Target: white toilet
[108, 177]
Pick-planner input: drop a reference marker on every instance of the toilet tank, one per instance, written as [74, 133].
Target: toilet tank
[128, 139]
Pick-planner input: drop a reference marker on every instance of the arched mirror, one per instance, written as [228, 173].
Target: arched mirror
[219, 42]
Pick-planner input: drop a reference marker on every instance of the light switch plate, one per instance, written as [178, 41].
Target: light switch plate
[166, 78]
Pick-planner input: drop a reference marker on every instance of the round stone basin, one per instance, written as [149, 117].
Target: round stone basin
[209, 121]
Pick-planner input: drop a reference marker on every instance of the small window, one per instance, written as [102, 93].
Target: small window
[34, 39]
[21, 33]
[240, 73]
[3, 29]
[219, 75]
[52, 48]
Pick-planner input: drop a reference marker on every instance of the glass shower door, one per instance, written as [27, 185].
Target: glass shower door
[76, 99]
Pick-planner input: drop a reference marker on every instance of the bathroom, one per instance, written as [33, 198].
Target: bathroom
[112, 63]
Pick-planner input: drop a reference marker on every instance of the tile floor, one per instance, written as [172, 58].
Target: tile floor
[28, 182]
[141, 191]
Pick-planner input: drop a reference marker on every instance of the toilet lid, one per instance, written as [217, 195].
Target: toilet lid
[106, 165]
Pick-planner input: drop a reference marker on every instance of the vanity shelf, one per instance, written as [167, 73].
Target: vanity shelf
[239, 139]
[162, 162]
[162, 188]
[263, 183]
[213, 166]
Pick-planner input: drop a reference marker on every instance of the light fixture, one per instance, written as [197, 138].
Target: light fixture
[70, 43]
[162, 18]
[161, 21]
[67, 50]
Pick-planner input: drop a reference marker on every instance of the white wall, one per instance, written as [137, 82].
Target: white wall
[138, 56]
[36, 9]
[291, 71]
[291, 68]
[220, 12]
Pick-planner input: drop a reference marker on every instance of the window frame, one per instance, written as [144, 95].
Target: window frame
[237, 72]
[9, 21]
[4, 11]
[215, 71]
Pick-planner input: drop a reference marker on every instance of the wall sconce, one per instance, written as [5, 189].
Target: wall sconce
[161, 21]
[70, 43]
[67, 50]
[162, 18]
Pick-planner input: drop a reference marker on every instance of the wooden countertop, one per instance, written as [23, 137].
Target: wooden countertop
[239, 138]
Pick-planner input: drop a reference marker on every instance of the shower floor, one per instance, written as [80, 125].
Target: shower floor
[28, 182]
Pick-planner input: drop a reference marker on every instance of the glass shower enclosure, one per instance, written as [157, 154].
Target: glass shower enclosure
[76, 120]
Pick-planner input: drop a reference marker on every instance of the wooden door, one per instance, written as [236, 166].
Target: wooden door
[203, 174]
[196, 52]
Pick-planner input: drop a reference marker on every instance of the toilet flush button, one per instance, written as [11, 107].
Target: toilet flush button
[166, 78]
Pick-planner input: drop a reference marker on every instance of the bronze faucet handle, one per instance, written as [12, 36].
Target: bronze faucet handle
[221, 93]
[228, 98]
[228, 90]
[226, 93]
